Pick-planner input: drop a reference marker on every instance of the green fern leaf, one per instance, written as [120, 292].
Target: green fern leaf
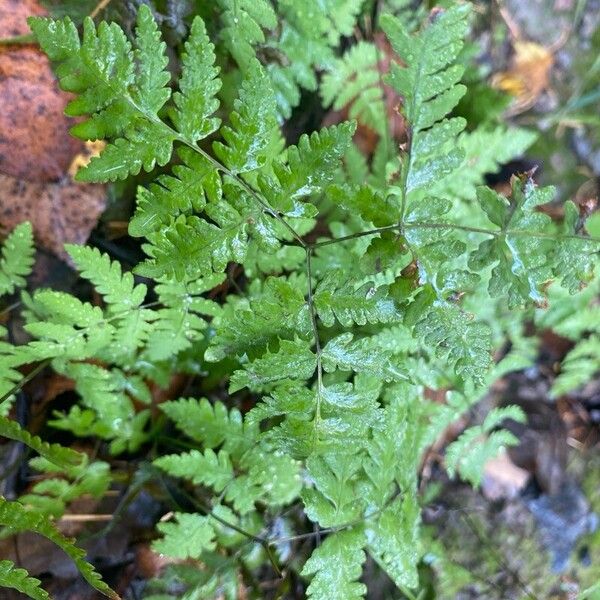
[178, 324]
[429, 85]
[293, 361]
[355, 81]
[57, 454]
[243, 22]
[252, 122]
[208, 468]
[521, 262]
[199, 85]
[278, 312]
[365, 202]
[463, 343]
[333, 501]
[574, 259]
[211, 425]
[341, 300]
[118, 288]
[104, 391]
[122, 92]
[188, 537]
[17, 518]
[311, 166]
[347, 355]
[145, 146]
[17, 258]
[51, 495]
[19, 579]
[151, 91]
[66, 327]
[484, 153]
[470, 452]
[393, 538]
[195, 182]
[579, 366]
[336, 565]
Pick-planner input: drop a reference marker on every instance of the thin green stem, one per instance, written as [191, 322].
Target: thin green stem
[313, 319]
[456, 226]
[208, 511]
[39, 368]
[25, 39]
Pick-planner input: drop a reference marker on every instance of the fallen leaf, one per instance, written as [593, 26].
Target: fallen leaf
[34, 132]
[37, 155]
[502, 478]
[528, 75]
[59, 212]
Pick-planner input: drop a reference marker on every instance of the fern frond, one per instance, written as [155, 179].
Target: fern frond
[51, 495]
[341, 18]
[278, 312]
[118, 288]
[17, 518]
[65, 327]
[311, 165]
[355, 81]
[338, 299]
[521, 263]
[430, 88]
[209, 468]
[333, 501]
[463, 343]
[104, 391]
[16, 259]
[309, 34]
[121, 91]
[470, 452]
[336, 565]
[193, 183]
[55, 453]
[252, 122]
[211, 425]
[199, 85]
[151, 90]
[194, 247]
[394, 541]
[485, 150]
[575, 260]
[244, 21]
[188, 537]
[178, 323]
[579, 366]
[19, 579]
[365, 202]
[294, 360]
[346, 354]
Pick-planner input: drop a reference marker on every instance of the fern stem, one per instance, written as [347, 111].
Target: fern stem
[456, 226]
[255, 195]
[25, 39]
[207, 511]
[313, 319]
[25, 380]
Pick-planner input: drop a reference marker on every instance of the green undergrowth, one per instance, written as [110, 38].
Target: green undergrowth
[315, 295]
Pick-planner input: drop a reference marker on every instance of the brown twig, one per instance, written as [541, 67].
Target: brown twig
[99, 8]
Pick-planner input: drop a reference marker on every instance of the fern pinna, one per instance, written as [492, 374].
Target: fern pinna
[354, 299]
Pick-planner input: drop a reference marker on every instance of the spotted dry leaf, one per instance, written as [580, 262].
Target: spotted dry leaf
[36, 150]
[528, 75]
[62, 212]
